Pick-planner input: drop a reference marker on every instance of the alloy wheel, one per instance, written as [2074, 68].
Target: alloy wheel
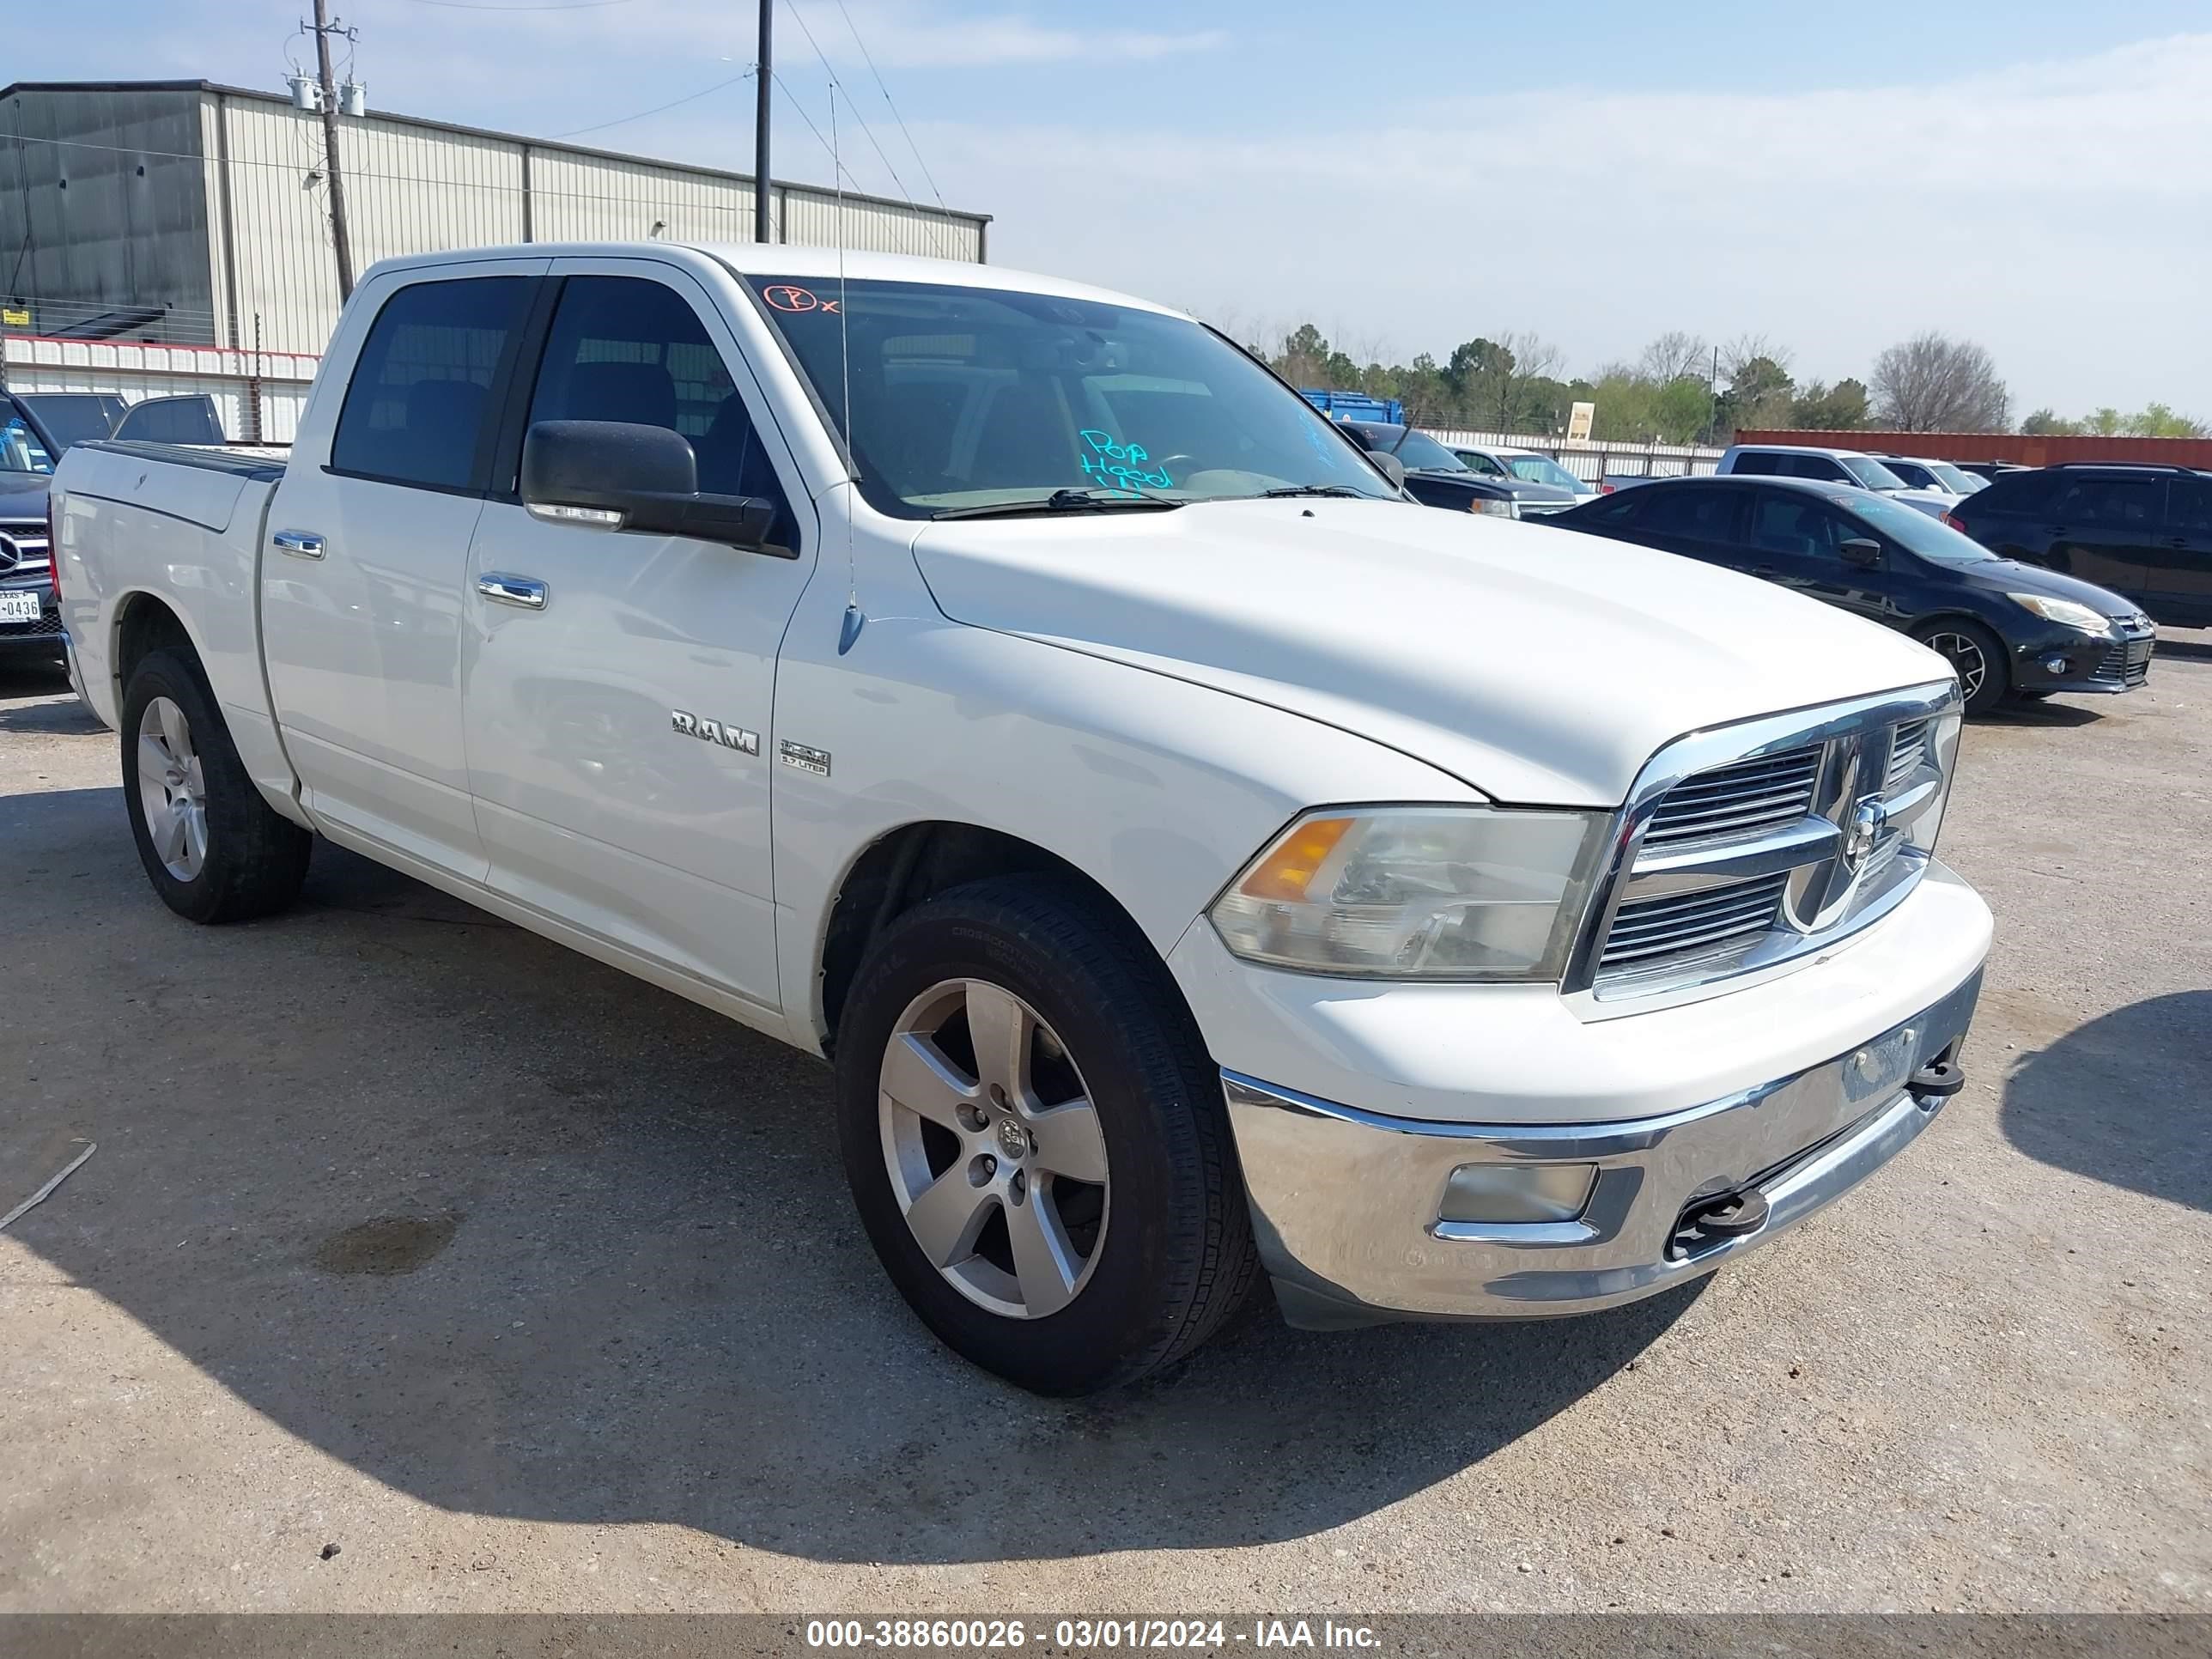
[171, 788]
[995, 1148]
[1965, 659]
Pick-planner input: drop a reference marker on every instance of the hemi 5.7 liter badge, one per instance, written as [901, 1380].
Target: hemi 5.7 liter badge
[729, 737]
[816, 760]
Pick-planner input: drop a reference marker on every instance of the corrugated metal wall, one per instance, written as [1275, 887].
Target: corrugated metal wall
[216, 204]
[101, 206]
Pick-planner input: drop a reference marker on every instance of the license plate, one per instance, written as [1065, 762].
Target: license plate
[19, 607]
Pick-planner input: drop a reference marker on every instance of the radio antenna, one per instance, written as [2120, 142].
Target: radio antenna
[854, 619]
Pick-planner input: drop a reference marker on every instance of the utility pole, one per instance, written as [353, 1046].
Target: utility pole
[340, 243]
[763, 76]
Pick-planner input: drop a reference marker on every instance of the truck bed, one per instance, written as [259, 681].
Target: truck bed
[181, 527]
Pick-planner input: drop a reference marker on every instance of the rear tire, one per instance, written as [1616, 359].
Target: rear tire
[1067, 1246]
[213, 849]
[1975, 656]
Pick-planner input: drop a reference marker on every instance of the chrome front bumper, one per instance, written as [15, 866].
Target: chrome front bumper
[1346, 1203]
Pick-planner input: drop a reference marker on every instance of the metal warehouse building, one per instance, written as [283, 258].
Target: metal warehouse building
[197, 216]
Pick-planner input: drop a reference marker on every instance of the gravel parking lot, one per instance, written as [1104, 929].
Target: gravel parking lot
[528, 1286]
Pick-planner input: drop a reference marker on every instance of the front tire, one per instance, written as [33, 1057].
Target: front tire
[1035, 1139]
[1975, 656]
[212, 847]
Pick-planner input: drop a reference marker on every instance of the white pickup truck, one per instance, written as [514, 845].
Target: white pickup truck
[1195, 858]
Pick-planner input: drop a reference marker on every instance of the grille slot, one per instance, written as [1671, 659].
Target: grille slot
[1908, 748]
[2127, 663]
[1665, 932]
[1751, 795]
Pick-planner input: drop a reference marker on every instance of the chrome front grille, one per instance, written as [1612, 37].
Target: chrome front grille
[1744, 848]
[1702, 926]
[1740, 799]
[23, 550]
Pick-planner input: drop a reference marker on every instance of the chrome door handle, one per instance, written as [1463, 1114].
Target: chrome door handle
[524, 590]
[299, 544]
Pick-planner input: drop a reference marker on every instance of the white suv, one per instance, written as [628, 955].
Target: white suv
[1846, 466]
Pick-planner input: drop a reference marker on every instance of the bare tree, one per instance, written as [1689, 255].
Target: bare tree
[1675, 355]
[1746, 349]
[1932, 383]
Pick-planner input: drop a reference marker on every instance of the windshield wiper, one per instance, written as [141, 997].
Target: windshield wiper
[1061, 500]
[1282, 490]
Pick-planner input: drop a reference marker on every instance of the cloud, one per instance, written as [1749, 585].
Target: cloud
[902, 36]
[2059, 212]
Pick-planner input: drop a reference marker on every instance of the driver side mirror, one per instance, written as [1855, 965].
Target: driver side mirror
[1390, 466]
[1860, 550]
[615, 475]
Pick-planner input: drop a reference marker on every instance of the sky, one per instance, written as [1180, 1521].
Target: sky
[2035, 175]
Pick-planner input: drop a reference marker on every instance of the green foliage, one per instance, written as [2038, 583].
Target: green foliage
[1508, 384]
[2152, 421]
[1838, 408]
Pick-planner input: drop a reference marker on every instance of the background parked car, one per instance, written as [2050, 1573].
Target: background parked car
[30, 621]
[1540, 484]
[1925, 473]
[2145, 531]
[1849, 466]
[1434, 475]
[2007, 629]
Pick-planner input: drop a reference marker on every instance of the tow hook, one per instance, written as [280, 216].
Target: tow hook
[1939, 1079]
[1732, 1215]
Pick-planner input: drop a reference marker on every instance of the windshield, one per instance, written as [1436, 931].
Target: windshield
[1871, 473]
[1915, 531]
[972, 396]
[18, 451]
[1952, 478]
[1542, 468]
[1422, 453]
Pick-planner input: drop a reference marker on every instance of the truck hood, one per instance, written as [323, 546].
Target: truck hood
[1537, 665]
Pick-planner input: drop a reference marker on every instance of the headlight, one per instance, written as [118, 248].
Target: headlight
[1417, 892]
[2067, 613]
[1496, 509]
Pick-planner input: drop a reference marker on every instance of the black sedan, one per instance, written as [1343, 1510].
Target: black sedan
[2009, 629]
[1434, 475]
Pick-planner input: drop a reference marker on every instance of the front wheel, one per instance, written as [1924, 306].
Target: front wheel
[1975, 656]
[1035, 1139]
[213, 849]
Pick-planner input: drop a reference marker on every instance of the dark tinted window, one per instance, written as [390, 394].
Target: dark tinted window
[625, 349]
[2018, 492]
[1702, 513]
[74, 417]
[1764, 463]
[1616, 510]
[2188, 508]
[2118, 503]
[1799, 526]
[1919, 477]
[415, 410]
[172, 420]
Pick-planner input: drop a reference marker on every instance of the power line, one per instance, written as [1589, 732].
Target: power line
[688, 98]
[483, 5]
[827, 148]
[869, 58]
[837, 86]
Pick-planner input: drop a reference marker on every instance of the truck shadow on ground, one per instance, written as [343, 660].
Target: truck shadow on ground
[2123, 1099]
[520, 1236]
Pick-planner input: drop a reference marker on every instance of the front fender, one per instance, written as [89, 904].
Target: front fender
[1159, 789]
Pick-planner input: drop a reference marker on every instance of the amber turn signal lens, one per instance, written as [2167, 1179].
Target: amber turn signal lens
[1287, 871]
